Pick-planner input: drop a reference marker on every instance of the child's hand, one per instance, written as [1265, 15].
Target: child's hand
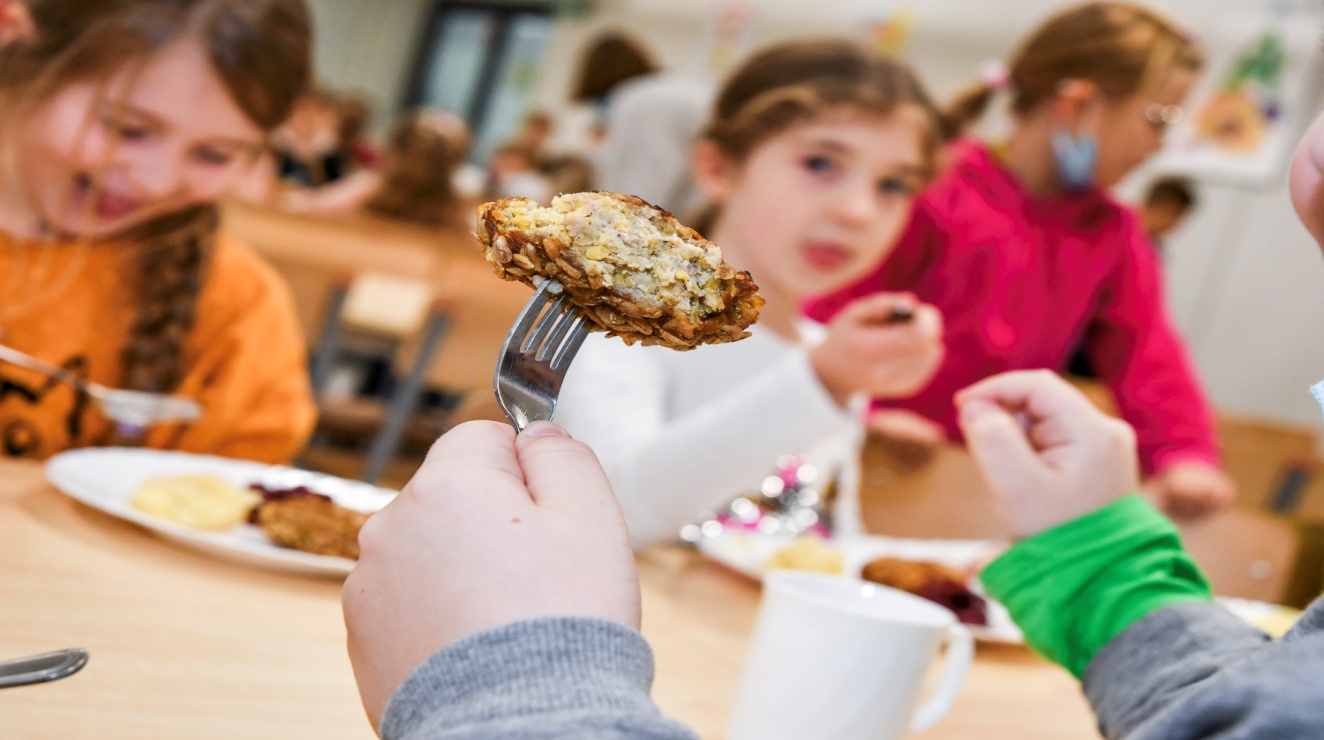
[493, 529]
[1190, 490]
[868, 351]
[1307, 180]
[1048, 454]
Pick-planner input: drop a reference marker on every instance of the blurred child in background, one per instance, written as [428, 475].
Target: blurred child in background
[1167, 204]
[1027, 256]
[415, 183]
[515, 171]
[812, 156]
[121, 123]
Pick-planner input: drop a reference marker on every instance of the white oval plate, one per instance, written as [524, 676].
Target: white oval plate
[105, 478]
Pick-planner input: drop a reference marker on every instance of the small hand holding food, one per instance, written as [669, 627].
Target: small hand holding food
[493, 529]
[1049, 455]
[1190, 490]
[868, 351]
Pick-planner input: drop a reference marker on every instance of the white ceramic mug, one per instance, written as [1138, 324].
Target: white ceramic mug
[835, 657]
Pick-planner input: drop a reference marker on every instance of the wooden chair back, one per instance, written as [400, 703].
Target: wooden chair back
[315, 254]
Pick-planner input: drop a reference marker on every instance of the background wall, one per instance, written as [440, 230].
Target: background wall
[1246, 283]
[368, 46]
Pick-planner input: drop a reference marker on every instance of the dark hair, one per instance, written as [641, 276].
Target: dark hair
[422, 155]
[1123, 48]
[260, 49]
[791, 83]
[1178, 191]
[355, 113]
[611, 60]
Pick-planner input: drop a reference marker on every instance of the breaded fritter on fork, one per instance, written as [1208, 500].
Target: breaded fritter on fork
[637, 272]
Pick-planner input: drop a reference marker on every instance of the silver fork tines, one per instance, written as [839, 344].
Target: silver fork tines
[537, 353]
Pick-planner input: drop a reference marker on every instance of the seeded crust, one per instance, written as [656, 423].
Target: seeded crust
[636, 271]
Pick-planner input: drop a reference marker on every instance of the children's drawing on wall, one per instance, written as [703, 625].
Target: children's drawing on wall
[1248, 103]
[732, 27]
[888, 29]
[1242, 121]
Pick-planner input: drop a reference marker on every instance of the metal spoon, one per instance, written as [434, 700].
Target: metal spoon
[42, 668]
[134, 409]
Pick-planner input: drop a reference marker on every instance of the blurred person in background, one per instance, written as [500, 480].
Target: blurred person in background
[121, 124]
[354, 113]
[308, 146]
[415, 183]
[812, 156]
[610, 60]
[535, 134]
[514, 171]
[1028, 256]
[652, 122]
[1167, 204]
[569, 173]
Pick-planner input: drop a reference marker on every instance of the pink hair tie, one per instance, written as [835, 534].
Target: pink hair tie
[995, 74]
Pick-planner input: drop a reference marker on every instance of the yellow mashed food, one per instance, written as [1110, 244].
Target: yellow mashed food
[199, 501]
[807, 553]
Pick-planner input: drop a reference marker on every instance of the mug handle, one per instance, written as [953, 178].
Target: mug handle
[960, 651]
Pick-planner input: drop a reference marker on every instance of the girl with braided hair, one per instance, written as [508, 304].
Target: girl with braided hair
[121, 124]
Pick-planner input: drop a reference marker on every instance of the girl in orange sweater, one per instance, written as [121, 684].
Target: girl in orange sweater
[121, 124]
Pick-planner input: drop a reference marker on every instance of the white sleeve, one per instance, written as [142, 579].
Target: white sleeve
[667, 468]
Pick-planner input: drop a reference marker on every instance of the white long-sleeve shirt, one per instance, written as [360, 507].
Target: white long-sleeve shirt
[683, 432]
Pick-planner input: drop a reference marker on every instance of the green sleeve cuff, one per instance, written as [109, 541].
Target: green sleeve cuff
[1073, 588]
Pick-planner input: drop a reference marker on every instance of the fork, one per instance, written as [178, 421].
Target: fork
[537, 353]
[133, 409]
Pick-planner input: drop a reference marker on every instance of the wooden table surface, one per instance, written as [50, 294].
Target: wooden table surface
[185, 645]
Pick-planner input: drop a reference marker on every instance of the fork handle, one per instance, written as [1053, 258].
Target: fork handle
[41, 668]
[14, 357]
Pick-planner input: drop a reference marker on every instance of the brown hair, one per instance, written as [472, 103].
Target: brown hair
[355, 114]
[1179, 191]
[261, 51]
[417, 180]
[791, 83]
[1122, 48]
[611, 60]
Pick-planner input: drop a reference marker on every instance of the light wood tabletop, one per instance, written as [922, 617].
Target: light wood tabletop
[186, 645]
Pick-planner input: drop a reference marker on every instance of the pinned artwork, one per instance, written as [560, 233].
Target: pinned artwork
[732, 27]
[1242, 122]
[889, 30]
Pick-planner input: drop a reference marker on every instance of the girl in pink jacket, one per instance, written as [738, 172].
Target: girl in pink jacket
[1027, 256]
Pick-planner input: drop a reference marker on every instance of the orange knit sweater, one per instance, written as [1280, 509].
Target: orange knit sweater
[73, 305]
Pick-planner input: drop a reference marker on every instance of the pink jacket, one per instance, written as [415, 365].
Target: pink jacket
[1022, 280]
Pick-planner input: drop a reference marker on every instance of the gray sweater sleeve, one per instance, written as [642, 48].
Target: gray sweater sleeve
[545, 678]
[1196, 671]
